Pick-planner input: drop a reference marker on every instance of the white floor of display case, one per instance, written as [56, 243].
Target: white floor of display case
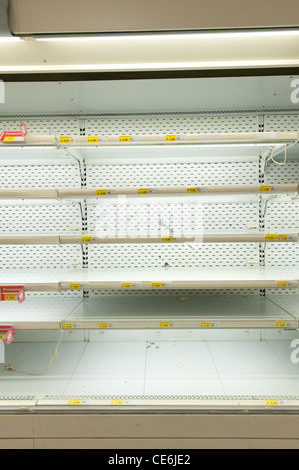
[165, 368]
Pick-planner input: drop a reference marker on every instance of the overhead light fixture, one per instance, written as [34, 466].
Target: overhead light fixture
[9, 39]
[170, 35]
[191, 50]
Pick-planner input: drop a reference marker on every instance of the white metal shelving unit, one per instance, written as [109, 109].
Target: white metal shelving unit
[183, 306]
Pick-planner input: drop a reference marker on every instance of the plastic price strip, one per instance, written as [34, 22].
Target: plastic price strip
[280, 324]
[101, 192]
[74, 401]
[270, 236]
[117, 402]
[64, 139]
[92, 139]
[66, 326]
[169, 324]
[86, 239]
[78, 402]
[130, 285]
[205, 324]
[170, 138]
[281, 283]
[9, 297]
[271, 403]
[279, 237]
[121, 402]
[265, 188]
[167, 239]
[156, 285]
[74, 286]
[282, 238]
[126, 285]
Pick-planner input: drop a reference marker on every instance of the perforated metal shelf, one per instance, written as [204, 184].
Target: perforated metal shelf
[147, 192]
[148, 278]
[38, 313]
[155, 139]
[148, 312]
[175, 311]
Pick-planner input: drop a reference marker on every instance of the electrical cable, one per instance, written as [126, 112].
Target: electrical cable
[54, 354]
[285, 157]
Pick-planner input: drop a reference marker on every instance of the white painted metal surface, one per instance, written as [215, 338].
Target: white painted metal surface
[215, 369]
[2, 352]
[146, 311]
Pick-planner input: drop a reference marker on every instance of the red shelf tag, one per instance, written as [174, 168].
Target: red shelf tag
[13, 136]
[6, 333]
[11, 293]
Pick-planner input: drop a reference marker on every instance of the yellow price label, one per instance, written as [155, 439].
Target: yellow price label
[270, 236]
[64, 140]
[170, 138]
[156, 285]
[142, 191]
[9, 138]
[67, 326]
[124, 138]
[205, 324]
[281, 283]
[271, 402]
[103, 326]
[101, 192]
[1, 337]
[92, 139]
[9, 297]
[191, 190]
[265, 188]
[74, 401]
[164, 324]
[167, 239]
[126, 285]
[280, 324]
[282, 238]
[117, 402]
[75, 286]
[86, 239]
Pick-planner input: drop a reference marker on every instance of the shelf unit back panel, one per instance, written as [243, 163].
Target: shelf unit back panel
[171, 123]
[39, 176]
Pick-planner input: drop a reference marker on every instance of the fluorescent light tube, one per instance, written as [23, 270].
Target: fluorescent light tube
[115, 36]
